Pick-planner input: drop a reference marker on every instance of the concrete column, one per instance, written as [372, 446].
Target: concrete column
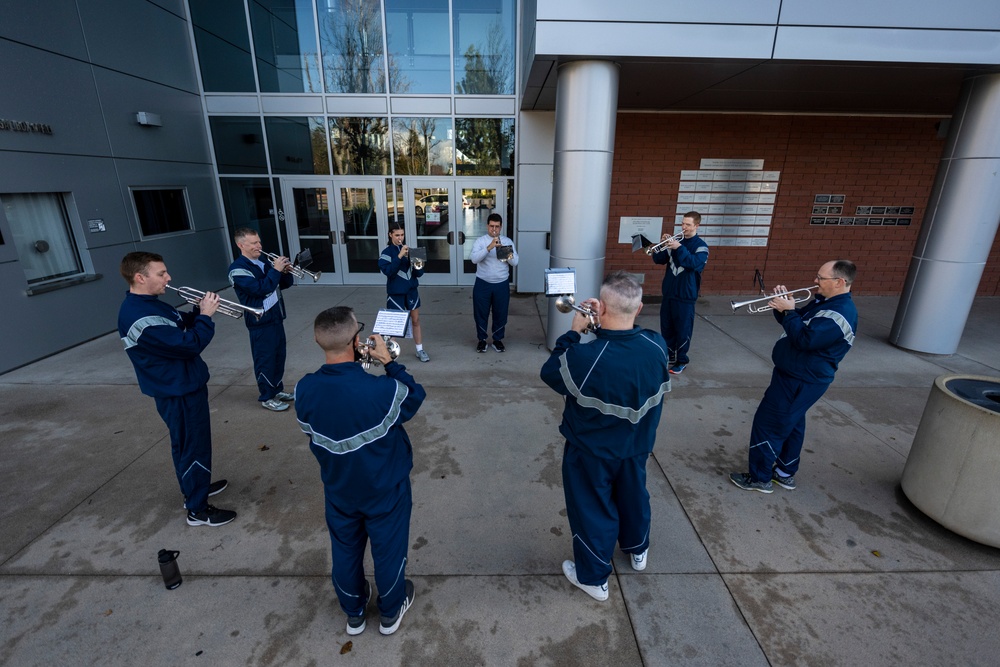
[962, 218]
[586, 108]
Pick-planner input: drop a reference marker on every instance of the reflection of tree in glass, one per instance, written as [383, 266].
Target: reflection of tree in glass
[359, 145]
[481, 144]
[492, 74]
[351, 35]
[321, 163]
[413, 146]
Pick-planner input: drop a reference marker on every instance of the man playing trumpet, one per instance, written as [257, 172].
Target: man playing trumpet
[164, 346]
[492, 288]
[685, 260]
[258, 284]
[816, 338]
[614, 388]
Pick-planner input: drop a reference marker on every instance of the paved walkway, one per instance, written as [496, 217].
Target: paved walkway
[842, 571]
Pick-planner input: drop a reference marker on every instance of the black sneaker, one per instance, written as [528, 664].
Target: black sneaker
[481, 346]
[784, 482]
[745, 482]
[498, 346]
[356, 624]
[214, 488]
[210, 516]
[389, 624]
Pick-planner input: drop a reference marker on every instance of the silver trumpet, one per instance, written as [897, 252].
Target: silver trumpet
[364, 351]
[230, 308]
[566, 304]
[650, 249]
[295, 269]
[804, 295]
[417, 263]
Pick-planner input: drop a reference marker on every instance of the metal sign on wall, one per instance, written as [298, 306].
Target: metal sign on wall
[735, 198]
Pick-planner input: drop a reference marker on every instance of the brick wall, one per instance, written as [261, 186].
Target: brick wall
[873, 161]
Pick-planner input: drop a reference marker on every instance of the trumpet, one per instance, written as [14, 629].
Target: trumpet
[365, 348]
[294, 269]
[804, 293]
[417, 263]
[663, 244]
[230, 308]
[566, 304]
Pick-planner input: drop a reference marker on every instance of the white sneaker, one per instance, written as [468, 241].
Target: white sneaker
[597, 592]
[284, 396]
[274, 404]
[639, 561]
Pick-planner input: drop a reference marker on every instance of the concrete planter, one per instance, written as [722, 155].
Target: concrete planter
[952, 473]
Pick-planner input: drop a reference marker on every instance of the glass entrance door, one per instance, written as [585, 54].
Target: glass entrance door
[340, 222]
[446, 217]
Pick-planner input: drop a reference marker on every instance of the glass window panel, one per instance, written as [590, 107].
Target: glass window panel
[220, 34]
[393, 199]
[312, 216]
[485, 146]
[239, 145]
[161, 211]
[419, 46]
[360, 145]
[42, 236]
[297, 145]
[422, 146]
[484, 47]
[248, 203]
[350, 32]
[359, 209]
[284, 40]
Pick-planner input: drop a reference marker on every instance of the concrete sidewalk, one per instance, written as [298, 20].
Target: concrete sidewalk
[843, 570]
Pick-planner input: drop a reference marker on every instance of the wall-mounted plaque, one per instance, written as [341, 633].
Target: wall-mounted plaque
[822, 199]
[863, 210]
[903, 221]
[837, 199]
[906, 210]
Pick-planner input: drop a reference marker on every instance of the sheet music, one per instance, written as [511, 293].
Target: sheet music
[560, 281]
[393, 323]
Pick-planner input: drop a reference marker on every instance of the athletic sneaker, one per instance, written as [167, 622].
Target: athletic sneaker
[498, 346]
[389, 624]
[274, 404]
[423, 356]
[745, 482]
[356, 624]
[213, 489]
[783, 482]
[284, 396]
[678, 369]
[210, 516]
[481, 346]
[639, 561]
[599, 593]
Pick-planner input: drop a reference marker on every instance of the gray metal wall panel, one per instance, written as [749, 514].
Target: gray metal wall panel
[534, 190]
[532, 260]
[53, 25]
[887, 45]
[661, 11]
[62, 95]
[141, 39]
[970, 14]
[181, 137]
[654, 40]
[417, 106]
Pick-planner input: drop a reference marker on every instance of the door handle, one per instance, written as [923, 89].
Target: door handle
[451, 238]
[343, 238]
[461, 238]
[333, 237]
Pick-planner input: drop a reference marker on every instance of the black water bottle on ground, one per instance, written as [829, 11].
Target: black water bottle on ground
[168, 568]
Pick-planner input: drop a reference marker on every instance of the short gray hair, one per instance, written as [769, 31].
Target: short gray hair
[621, 293]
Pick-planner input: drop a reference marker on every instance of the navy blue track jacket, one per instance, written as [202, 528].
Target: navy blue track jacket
[401, 277]
[614, 389]
[253, 285]
[164, 345]
[816, 338]
[682, 277]
[354, 421]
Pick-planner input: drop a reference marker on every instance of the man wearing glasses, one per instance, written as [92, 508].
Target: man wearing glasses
[355, 426]
[816, 338]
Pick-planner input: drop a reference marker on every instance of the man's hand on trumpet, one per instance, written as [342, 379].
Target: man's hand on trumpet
[208, 304]
[282, 264]
[782, 303]
[671, 241]
[404, 250]
[379, 352]
[581, 321]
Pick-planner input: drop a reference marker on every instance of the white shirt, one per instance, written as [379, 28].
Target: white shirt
[488, 267]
